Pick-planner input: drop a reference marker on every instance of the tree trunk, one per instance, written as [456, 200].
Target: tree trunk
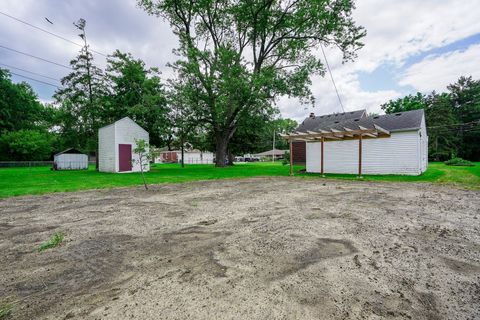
[143, 175]
[221, 143]
[231, 158]
[183, 152]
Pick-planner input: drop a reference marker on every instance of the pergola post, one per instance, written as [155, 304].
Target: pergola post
[321, 158]
[291, 158]
[360, 156]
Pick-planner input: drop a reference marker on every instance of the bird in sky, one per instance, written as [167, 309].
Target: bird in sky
[48, 20]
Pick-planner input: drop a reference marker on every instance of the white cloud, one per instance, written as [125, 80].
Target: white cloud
[436, 72]
[396, 30]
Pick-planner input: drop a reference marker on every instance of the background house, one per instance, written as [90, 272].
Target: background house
[116, 143]
[70, 159]
[389, 144]
[278, 154]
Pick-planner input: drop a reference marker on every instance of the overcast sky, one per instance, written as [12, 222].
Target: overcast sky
[410, 46]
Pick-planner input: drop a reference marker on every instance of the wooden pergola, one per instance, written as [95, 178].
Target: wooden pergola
[332, 134]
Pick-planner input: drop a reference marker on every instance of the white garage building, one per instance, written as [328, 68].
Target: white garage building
[386, 144]
[116, 143]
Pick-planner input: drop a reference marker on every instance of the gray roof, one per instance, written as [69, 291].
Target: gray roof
[128, 118]
[326, 120]
[269, 153]
[70, 151]
[400, 121]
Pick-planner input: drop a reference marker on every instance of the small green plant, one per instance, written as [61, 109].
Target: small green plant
[5, 310]
[145, 155]
[53, 242]
[459, 162]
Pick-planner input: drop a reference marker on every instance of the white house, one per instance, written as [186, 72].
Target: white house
[70, 159]
[385, 144]
[116, 144]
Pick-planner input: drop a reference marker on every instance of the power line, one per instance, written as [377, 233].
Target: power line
[32, 56]
[50, 33]
[331, 76]
[456, 124]
[24, 70]
[50, 84]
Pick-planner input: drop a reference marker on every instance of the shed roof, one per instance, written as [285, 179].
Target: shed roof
[70, 151]
[124, 118]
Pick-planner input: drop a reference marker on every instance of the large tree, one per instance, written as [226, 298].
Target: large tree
[81, 99]
[136, 91]
[465, 96]
[452, 117]
[19, 106]
[240, 55]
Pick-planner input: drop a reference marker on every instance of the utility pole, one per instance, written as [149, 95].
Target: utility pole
[273, 150]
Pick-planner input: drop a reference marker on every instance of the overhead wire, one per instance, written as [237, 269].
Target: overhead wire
[49, 32]
[331, 76]
[31, 72]
[47, 83]
[36, 57]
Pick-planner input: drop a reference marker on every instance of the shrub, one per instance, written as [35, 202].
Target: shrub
[459, 162]
[286, 158]
[26, 145]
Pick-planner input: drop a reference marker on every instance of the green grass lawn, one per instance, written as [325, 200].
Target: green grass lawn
[39, 180]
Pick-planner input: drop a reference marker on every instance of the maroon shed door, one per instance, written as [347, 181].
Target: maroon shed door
[124, 157]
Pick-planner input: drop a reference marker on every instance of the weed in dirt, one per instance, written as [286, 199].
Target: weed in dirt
[53, 242]
[5, 310]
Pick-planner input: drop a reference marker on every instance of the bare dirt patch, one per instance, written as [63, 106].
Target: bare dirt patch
[262, 248]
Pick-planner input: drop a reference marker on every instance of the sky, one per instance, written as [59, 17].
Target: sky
[410, 46]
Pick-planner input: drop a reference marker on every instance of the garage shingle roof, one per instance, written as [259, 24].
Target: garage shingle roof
[400, 121]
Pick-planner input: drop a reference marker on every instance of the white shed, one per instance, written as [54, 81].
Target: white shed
[116, 144]
[70, 159]
[384, 144]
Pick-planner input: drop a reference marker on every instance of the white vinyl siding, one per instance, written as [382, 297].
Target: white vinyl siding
[398, 154]
[106, 149]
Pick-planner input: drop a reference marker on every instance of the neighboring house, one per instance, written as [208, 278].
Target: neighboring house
[116, 144]
[386, 144]
[191, 157]
[70, 159]
[279, 154]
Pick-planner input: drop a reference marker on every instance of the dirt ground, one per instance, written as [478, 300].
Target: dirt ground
[262, 248]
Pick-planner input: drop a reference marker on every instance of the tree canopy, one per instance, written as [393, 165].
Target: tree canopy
[452, 117]
[237, 56]
[19, 106]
